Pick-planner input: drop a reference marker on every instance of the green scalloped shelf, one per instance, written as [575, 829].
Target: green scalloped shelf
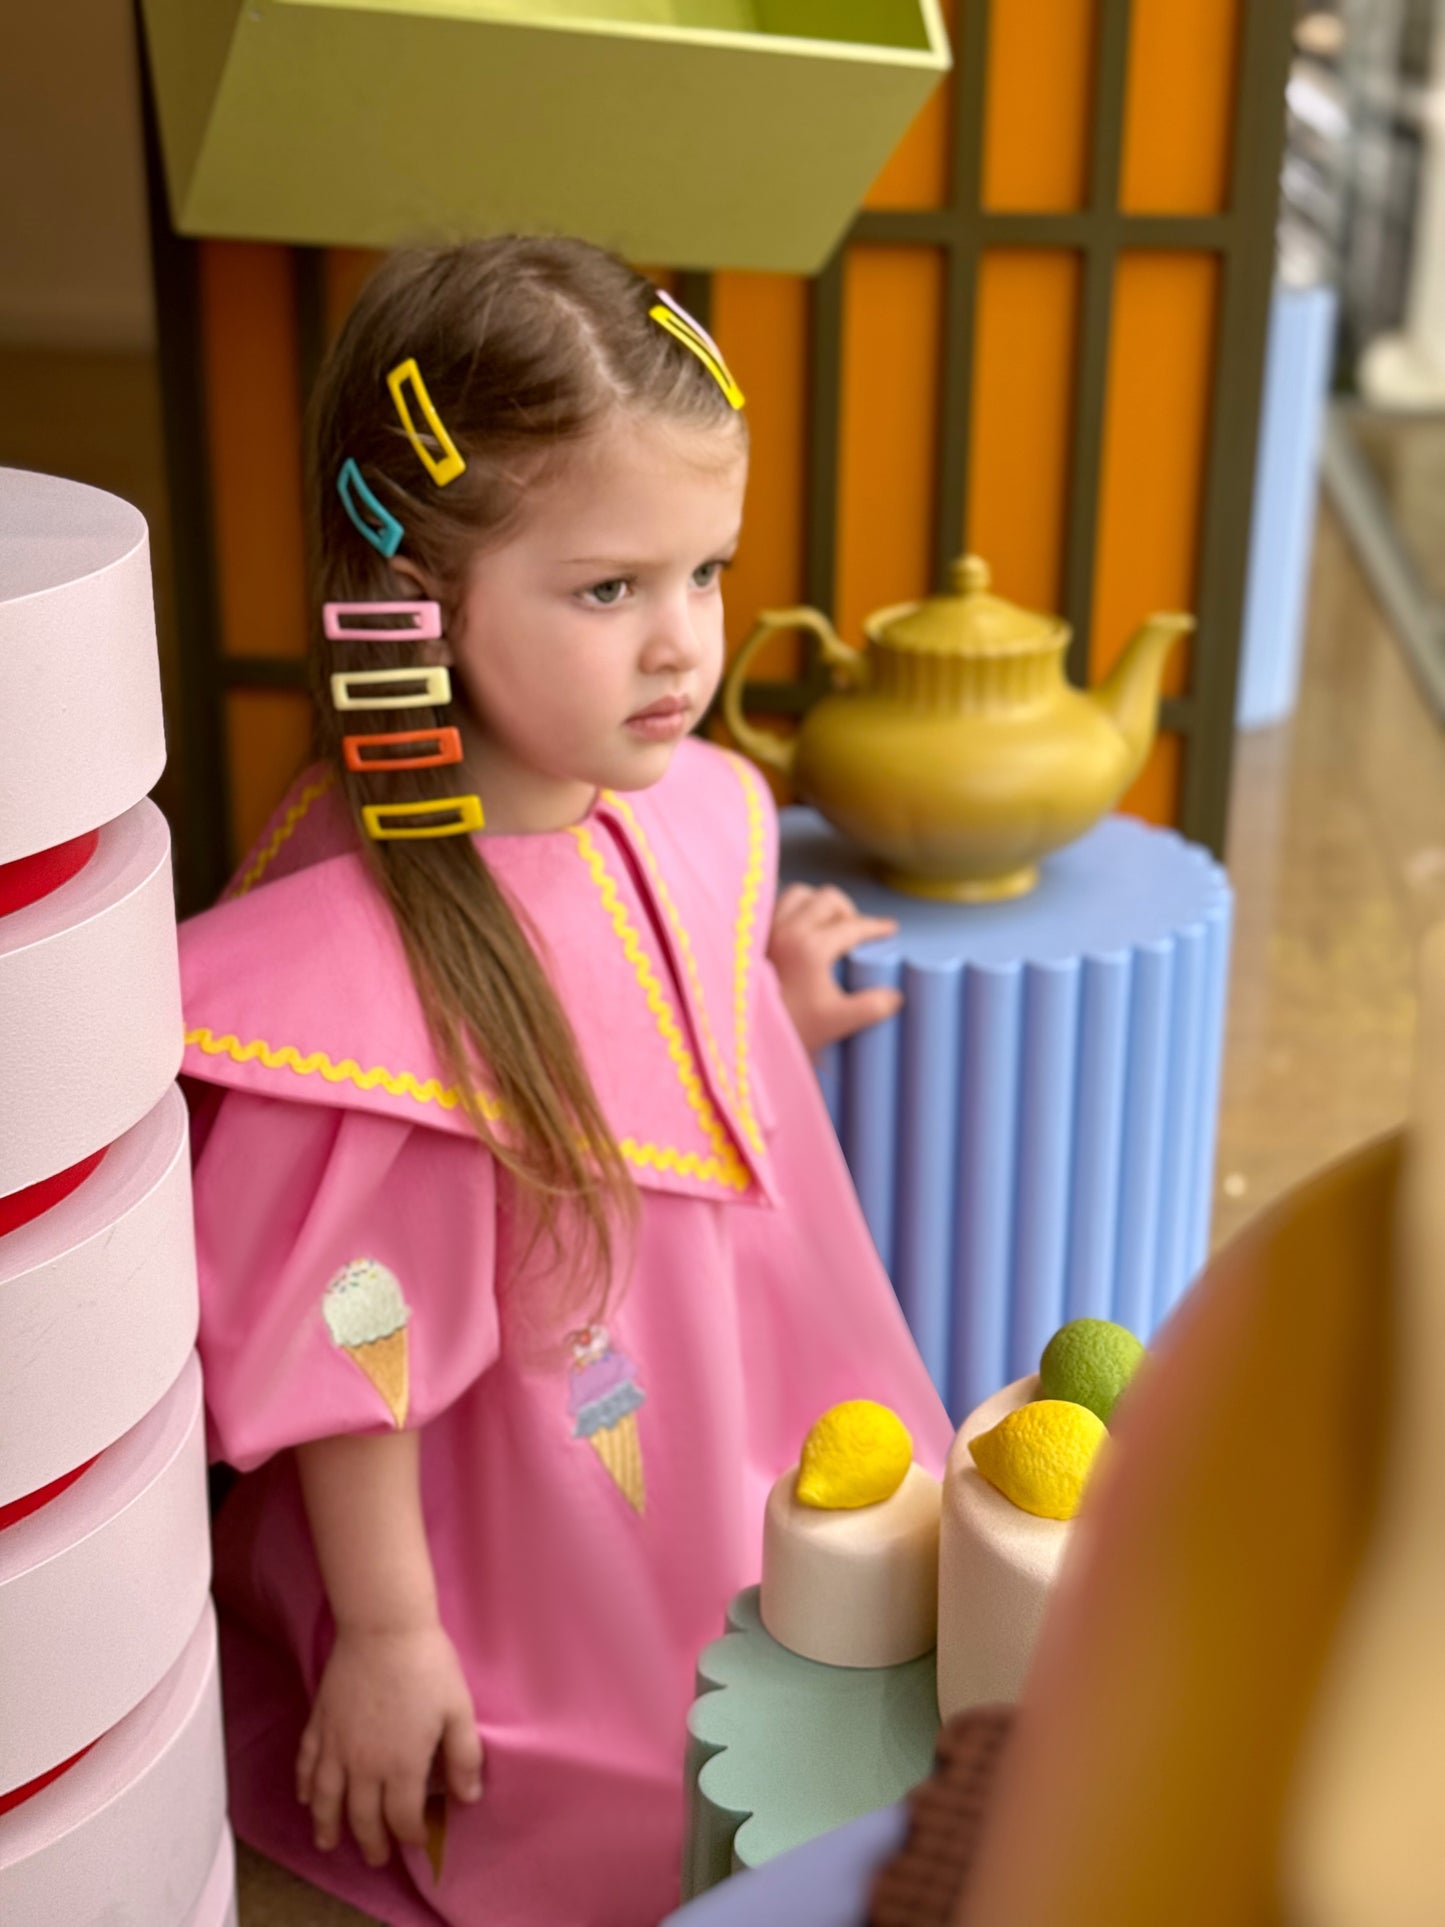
[781, 1749]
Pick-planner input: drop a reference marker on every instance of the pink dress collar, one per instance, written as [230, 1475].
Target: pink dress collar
[651, 916]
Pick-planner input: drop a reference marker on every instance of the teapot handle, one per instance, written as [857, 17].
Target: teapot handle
[777, 752]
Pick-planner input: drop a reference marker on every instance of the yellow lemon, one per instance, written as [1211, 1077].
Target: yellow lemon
[857, 1454]
[1040, 1456]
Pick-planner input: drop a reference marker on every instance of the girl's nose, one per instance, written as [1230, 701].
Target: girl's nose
[673, 641]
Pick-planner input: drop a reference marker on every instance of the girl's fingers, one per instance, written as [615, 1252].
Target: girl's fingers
[791, 900]
[462, 1756]
[363, 1816]
[835, 940]
[826, 905]
[860, 1008]
[307, 1754]
[328, 1787]
[402, 1803]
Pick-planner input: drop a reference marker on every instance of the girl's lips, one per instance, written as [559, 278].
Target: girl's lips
[668, 706]
[661, 719]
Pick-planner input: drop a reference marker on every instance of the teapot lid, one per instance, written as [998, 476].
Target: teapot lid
[967, 621]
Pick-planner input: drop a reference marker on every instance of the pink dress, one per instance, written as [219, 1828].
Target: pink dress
[590, 1510]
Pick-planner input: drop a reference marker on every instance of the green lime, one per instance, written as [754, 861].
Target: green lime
[1089, 1362]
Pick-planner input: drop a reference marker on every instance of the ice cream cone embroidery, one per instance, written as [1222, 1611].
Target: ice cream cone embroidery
[603, 1399]
[366, 1316]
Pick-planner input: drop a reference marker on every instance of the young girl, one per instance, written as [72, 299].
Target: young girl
[527, 1252]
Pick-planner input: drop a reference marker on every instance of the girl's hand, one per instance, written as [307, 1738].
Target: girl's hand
[387, 1700]
[812, 929]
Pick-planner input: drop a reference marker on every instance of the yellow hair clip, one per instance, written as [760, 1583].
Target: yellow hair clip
[461, 814]
[451, 465]
[681, 326]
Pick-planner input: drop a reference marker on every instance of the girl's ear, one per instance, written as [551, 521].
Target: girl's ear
[412, 577]
[415, 586]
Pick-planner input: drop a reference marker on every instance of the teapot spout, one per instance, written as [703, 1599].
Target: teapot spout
[1129, 694]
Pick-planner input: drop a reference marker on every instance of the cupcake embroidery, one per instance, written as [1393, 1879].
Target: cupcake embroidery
[603, 1399]
[366, 1316]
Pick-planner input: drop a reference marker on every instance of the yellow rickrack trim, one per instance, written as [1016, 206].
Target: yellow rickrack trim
[317, 1064]
[725, 1167]
[684, 944]
[747, 917]
[286, 828]
[403, 1084]
[661, 1157]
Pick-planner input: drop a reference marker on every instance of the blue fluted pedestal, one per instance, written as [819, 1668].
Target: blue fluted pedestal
[1033, 1136]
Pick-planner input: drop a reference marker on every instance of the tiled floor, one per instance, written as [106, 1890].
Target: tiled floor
[1337, 850]
[1407, 456]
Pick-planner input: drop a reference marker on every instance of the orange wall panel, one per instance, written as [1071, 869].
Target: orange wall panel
[1179, 111]
[1156, 445]
[253, 416]
[916, 172]
[761, 324]
[1154, 795]
[893, 303]
[1022, 420]
[345, 272]
[1039, 104]
[268, 735]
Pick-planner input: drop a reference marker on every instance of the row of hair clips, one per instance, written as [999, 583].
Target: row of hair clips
[404, 688]
[404, 382]
[371, 517]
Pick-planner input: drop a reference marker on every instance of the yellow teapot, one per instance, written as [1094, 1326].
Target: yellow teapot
[953, 750]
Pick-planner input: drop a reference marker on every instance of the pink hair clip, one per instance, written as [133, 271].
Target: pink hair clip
[353, 621]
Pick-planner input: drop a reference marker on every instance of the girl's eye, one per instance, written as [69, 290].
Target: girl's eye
[713, 571]
[607, 594]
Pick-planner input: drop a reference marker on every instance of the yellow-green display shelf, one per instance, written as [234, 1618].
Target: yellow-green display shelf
[701, 133]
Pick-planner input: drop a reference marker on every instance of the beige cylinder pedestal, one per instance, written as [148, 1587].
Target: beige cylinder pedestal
[997, 1566]
[853, 1588]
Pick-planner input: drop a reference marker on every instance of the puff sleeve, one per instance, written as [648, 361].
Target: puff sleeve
[346, 1269]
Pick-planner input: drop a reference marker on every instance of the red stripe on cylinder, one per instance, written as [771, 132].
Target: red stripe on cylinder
[17, 1796]
[29, 878]
[18, 1509]
[21, 1206]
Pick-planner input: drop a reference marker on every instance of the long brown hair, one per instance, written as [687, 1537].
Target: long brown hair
[526, 346]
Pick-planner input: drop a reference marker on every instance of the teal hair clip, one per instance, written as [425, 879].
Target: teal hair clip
[383, 531]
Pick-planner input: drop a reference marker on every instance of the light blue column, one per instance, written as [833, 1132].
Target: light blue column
[1033, 1137]
[870, 1097]
[1142, 1159]
[1098, 1137]
[928, 1117]
[1286, 489]
[984, 1212]
[1185, 1044]
[1216, 994]
[1046, 1121]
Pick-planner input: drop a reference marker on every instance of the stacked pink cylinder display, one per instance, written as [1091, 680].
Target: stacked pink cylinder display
[112, 1778]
